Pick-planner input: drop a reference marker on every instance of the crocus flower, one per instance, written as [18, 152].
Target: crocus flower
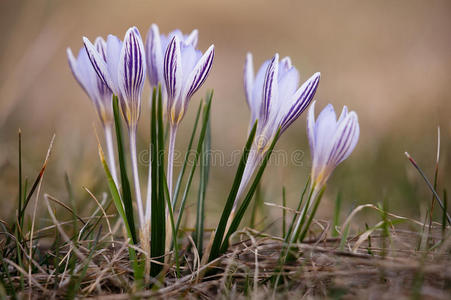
[123, 70]
[185, 70]
[331, 140]
[156, 46]
[98, 91]
[276, 100]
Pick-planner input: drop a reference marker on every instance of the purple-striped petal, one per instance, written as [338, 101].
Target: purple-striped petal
[345, 139]
[270, 89]
[199, 74]
[131, 72]
[101, 47]
[99, 64]
[343, 114]
[302, 99]
[173, 70]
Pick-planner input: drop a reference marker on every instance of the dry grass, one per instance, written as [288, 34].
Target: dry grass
[382, 267]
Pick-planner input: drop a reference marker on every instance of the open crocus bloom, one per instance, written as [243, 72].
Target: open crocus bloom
[122, 69]
[185, 70]
[276, 100]
[94, 87]
[274, 96]
[331, 140]
[156, 46]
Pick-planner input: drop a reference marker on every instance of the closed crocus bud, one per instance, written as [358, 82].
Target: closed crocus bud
[156, 46]
[123, 70]
[94, 87]
[331, 140]
[185, 70]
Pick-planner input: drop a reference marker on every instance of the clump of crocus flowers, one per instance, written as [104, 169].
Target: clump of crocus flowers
[115, 70]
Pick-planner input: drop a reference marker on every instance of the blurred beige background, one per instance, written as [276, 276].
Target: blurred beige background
[390, 61]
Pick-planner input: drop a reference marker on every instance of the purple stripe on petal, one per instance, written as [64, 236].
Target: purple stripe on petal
[98, 63]
[200, 73]
[269, 88]
[100, 45]
[307, 94]
[132, 71]
[347, 140]
[340, 144]
[172, 69]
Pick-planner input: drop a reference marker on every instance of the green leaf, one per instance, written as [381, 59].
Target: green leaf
[312, 215]
[185, 161]
[284, 212]
[244, 205]
[75, 280]
[158, 212]
[198, 236]
[126, 192]
[205, 118]
[219, 233]
[336, 215]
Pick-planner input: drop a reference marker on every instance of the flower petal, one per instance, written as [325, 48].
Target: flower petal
[173, 70]
[300, 101]
[101, 47]
[74, 68]
[98, 64]
[311, 128]
[83, 72]
[199, 74]
[113, 53]
[285, 64]
[270, 89]
[345, 139]
[154, 57]
[131, 72]
[343, 114]
[325, 129]
[192, 38]
[132, 65]
[249, 80]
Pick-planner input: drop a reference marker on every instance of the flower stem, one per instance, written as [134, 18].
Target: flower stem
[172, 134]
[110, 150]
[149, 188]
[134, 159]
[252, 163]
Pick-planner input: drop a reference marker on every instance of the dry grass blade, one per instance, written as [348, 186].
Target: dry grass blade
[103, 212]
[65, 206]
[41, 174]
